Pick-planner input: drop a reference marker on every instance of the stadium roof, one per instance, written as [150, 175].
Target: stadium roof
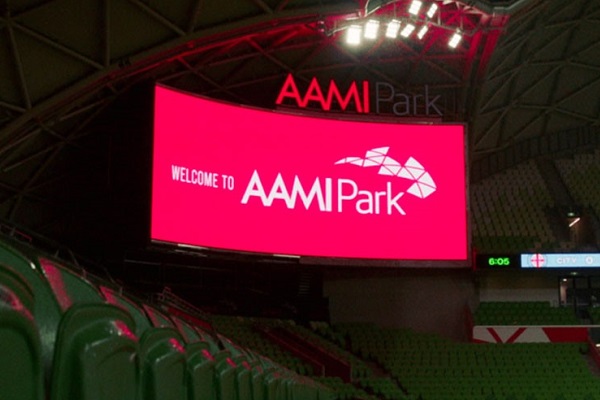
[524, 69]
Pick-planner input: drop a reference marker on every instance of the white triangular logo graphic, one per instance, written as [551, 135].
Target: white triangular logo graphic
[412, 170]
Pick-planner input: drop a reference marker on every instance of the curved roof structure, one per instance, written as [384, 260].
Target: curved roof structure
[544, 76]
[523, 69]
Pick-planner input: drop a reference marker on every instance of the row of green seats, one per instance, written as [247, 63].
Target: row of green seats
[359, 368]
[383, 387]
[524, 313]
[21, 372]
[431, 368]
[66, 336]
[345, 391]
[595, 315]
[243, 332]
[502, 243]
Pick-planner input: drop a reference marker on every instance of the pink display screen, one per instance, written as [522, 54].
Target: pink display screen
[236, 178]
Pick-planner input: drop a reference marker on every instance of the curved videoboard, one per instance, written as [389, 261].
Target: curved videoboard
[235, 178]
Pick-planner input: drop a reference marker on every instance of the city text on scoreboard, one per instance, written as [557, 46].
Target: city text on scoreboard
[560, 260]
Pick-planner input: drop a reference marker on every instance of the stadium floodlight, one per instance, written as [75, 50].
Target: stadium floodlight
[392, 29]
[415, 6]
[455, 40]
[371, 29]
[432, 10]
[408, 29]
[353, 34]
[422, 32]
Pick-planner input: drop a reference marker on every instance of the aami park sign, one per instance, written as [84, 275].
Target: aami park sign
[362, 97]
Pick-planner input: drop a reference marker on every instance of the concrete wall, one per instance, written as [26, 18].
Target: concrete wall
[429, 300]
[518, 285]
[426, 301]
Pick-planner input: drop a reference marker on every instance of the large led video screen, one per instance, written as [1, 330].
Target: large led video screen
[238, 178]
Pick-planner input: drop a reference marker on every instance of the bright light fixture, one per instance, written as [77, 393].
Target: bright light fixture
[415, 6]
[455, 40]
[432, 9]
[408, 29]
[353, 34]
[422, 31]
[392, 29]
[574, 222]
[371, 29]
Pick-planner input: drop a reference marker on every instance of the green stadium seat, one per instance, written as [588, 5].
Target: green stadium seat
[259, 390]
[187, 331]
[201, 383]
[226, 371]
[141, 321]
[158, 319]
[46, 310]
[275, 386]
[21, 372]
[96, 355]
[163, 365]
[210, 339]
[68, 287]
[243, 378]
[244, 374]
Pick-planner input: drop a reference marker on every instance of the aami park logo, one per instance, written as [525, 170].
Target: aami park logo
[345, 194]
[423, 185]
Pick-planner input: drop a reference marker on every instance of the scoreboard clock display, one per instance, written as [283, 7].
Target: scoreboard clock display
[501, 261]
[497, 261]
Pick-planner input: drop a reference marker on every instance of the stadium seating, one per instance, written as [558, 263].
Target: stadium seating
[243, 332]
[358, 367]
[19, 340]
[200, 371]
[163, 365]
[96, 355]
[238, 366]
[248, 331]
[524, 313]
[46, 310]
[101, 335]
[68, 288]
[89, 340]
[581, 174]
[436, 368]
[508, 211]
[595, 315]
[383, 387]
[346, 391]
[142, 322]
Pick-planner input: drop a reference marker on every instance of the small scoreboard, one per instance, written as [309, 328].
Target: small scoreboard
[538, 261]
